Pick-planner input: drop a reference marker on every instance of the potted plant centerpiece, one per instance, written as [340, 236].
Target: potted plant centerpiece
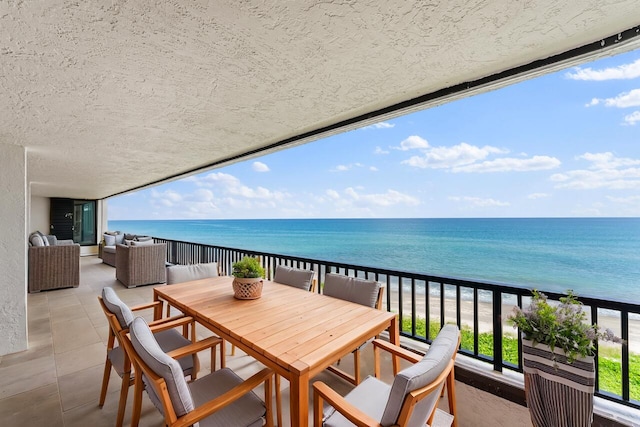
[247, 278]
[558, 348]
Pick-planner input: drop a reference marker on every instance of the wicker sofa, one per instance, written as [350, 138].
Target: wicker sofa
[141, 264]
[54, 266]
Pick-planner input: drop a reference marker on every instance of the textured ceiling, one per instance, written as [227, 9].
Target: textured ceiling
[109, 96]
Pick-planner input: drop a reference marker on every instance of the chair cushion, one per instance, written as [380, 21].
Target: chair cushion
[109, 249]
[419, 375]
[163, 365]
[142, 243]
[115, 305]
[352, 289]
[294, 277]
[248, 410]
[185, 273]
[370, 396]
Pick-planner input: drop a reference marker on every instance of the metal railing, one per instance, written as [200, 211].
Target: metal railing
[424, 303]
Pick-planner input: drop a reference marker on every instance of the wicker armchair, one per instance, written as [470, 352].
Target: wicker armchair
[54, 267]
[141, 264]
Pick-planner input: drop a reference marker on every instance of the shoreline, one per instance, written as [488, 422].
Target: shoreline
[485, 317]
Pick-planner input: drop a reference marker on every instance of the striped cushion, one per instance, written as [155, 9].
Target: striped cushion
[295, 277]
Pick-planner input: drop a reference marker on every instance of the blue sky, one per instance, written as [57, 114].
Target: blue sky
[562, 145]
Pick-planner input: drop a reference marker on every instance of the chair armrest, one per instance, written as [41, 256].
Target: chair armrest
[145, 306]
[173, 322]
[397, 351]
[195, 347]
[321, 391]
[208, 408]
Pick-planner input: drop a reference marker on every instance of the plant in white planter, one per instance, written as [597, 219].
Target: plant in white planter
[558, 346]
[247, 282]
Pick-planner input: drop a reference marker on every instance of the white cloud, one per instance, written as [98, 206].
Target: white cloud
[333, 194]
[260, 167]
[449, 157]
[167, 198]
[373, 169]
[621, 72]
[412, 143]
[379, 150]
[624, 100]
[228, 185]
[605, 171]
[381, 125]
[607, 160]
[478, 202]
[507, 164]
[389, 198]
[534, 196]
[631, 119]
[631, 200]
[204, 195]
[594, 101]
[344, 168]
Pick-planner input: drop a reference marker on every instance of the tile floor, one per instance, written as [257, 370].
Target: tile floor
[56, 382]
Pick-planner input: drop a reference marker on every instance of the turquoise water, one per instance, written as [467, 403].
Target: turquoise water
[598, 257]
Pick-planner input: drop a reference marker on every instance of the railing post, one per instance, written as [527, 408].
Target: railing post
[497, 331]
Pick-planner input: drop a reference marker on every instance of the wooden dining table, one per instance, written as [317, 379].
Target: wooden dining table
[294, 332]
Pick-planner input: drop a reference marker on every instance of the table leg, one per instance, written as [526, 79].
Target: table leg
[394, 337]
[299, 403]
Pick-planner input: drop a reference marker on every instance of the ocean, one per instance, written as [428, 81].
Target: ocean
[597, 257]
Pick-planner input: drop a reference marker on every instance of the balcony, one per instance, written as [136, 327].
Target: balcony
[57, 381]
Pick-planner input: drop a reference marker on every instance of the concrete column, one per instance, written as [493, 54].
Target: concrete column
[13, 249]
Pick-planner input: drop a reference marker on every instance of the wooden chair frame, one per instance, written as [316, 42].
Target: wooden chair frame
[356, 377]
[323, 392]
[116, 332]
[158, 383]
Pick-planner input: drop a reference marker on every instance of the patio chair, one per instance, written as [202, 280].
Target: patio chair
[360, 291]
[185, 273]
[220, 398]
[296, 277]
[142, 263]
[120, 316]
[410, 401]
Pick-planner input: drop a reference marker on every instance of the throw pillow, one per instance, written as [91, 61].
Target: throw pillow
[119, 239]
[36, 240]
[143, 238]
[109, 240]
[44, 238]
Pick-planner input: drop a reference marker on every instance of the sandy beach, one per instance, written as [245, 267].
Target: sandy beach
[485, 314]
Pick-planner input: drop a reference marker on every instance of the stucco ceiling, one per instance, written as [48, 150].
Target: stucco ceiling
[110, 96]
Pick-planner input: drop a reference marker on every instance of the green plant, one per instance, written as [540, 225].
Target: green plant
[563, 325]
[247, 267]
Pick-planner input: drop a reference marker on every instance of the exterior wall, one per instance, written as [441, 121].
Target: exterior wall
[39, 215]
[13, 248]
